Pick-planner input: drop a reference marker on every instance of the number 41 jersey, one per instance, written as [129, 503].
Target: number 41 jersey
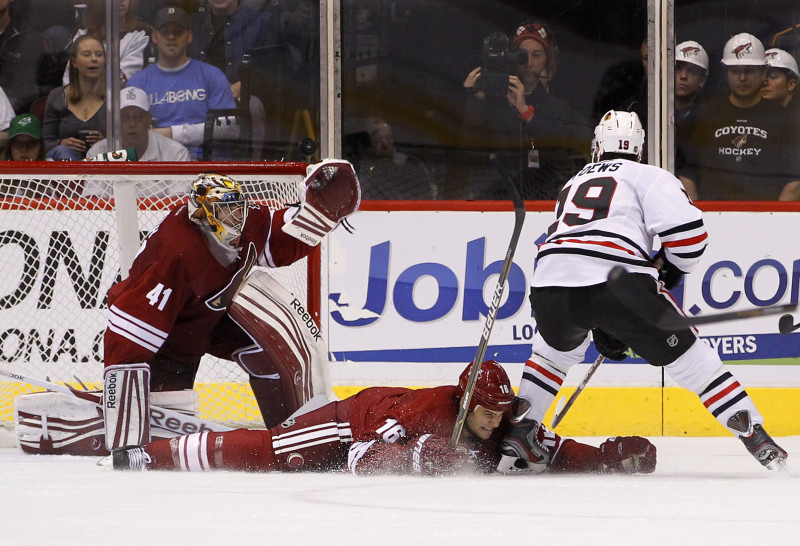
[608, 215]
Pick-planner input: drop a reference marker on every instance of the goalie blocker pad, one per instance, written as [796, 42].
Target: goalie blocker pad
[332, 193]
[126, 404]
[288, 343]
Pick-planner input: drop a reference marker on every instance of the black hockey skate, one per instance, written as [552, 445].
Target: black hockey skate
[764, 449]
[130, 458]
[758, 442]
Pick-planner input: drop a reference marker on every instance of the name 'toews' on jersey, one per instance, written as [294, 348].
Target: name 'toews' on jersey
[608, 215]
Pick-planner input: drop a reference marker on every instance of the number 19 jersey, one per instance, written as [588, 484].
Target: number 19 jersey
[608, 215]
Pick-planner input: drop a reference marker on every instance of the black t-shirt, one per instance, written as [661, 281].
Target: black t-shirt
[738, 153]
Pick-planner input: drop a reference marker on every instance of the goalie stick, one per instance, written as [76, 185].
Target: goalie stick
[519, 219]
[617, 279]
[559, 414]
[181, 419]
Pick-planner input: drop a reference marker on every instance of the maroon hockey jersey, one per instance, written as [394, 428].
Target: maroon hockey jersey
[177, 291]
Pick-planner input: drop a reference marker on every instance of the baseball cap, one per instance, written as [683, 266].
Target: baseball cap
[171, 15]
[25, 124]
[133, 96]
[693, 53]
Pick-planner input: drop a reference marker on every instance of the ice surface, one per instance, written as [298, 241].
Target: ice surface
[705, 491]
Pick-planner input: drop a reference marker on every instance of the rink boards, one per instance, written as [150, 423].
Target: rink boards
[409, 290]
[405, 298]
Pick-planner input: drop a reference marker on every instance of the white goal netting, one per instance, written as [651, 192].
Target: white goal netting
[66, 232]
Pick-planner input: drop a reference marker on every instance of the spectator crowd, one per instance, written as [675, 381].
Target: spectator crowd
[194, 74]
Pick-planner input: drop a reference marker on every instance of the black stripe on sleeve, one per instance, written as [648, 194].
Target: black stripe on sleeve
[683, 227]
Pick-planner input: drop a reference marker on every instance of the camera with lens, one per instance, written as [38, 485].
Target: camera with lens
[496, 65]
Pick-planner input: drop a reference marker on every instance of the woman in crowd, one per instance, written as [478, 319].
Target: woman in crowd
[133, 40]
[75, 115]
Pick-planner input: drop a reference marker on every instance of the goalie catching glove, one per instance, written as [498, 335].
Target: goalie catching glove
[332, 193]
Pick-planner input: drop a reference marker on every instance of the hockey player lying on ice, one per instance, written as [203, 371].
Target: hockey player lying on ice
[399, 431]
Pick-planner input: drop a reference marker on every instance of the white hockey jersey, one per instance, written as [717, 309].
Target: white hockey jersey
[608, 215]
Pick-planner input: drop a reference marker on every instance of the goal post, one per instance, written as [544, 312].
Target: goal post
[69, 230]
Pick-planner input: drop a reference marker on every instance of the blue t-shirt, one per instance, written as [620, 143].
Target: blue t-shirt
[184, 96]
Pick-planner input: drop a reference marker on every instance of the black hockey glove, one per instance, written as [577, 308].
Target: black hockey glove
[608, 346]
[667, 272]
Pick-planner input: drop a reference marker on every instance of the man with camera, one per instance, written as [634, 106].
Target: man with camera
[539, 136]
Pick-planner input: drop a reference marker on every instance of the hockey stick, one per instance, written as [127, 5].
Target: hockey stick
[166, 418]
[786, 324]
[669, 322]
[560, 413]
[519, 219]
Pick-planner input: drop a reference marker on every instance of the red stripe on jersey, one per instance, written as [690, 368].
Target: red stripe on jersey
[547, 373]
[686, 242]
[721, 394]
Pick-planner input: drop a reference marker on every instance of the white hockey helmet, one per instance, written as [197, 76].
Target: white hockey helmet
[743, 50]
[618, 133]
[778, 58]
[218, 204]
[693, 53]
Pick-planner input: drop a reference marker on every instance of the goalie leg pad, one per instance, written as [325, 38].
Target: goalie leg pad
[184, 402]
[126, 404]
[52, 423]
[288, 343]
[332, 193]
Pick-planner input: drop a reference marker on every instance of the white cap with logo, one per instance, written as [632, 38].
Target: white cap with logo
[133, 96]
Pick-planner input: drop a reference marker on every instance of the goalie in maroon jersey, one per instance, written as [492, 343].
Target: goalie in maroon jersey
[397, 430]
[177, 304]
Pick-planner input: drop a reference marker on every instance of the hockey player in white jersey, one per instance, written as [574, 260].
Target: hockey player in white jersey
[609, 215]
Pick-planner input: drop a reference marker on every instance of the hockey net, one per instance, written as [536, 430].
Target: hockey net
[66, 232]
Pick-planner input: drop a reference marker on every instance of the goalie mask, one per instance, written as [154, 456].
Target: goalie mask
[618, 133]
[492, 390]
[218, 204]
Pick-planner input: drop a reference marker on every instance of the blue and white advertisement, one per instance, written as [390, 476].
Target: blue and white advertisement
[415, 286]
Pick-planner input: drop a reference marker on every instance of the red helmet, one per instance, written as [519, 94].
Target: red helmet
[492, 390]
